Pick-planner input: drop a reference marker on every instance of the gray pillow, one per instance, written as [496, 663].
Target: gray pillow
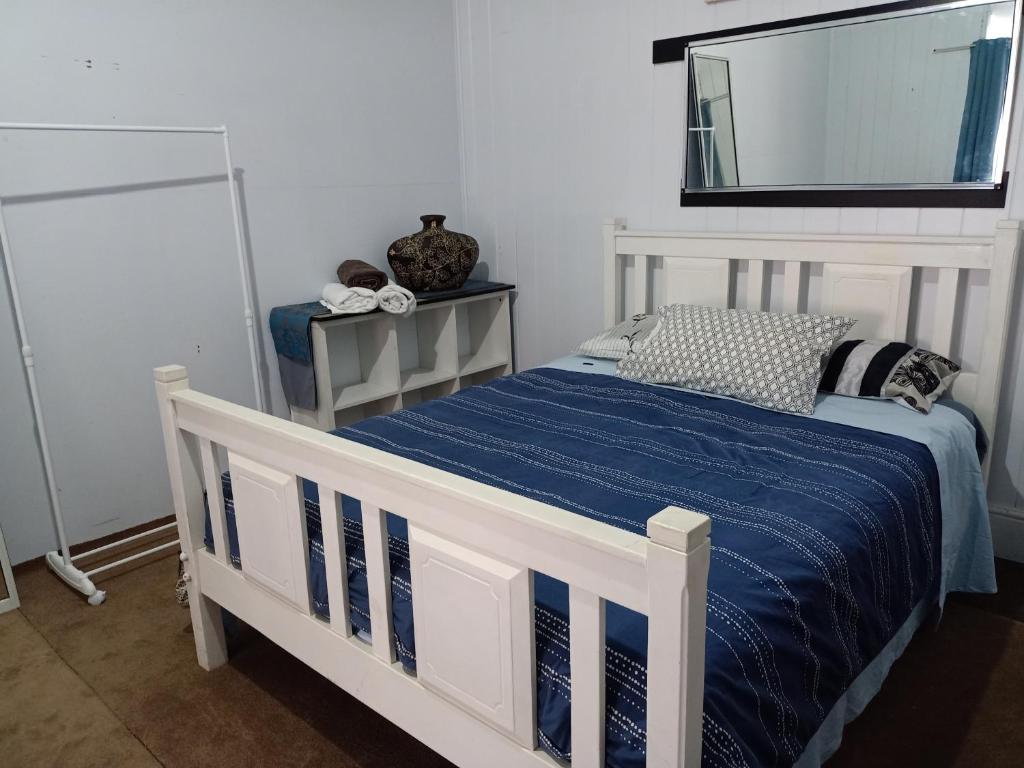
[767, 359]
[616, 342]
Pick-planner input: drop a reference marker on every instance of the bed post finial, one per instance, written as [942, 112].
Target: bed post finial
[612, 300]
[679, 529]
[166, 374]
[183, 468]
[678, 558]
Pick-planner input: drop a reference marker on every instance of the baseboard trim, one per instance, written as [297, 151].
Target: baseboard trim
[1008, 532]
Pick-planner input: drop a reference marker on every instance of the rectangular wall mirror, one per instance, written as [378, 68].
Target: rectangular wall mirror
[901, 104]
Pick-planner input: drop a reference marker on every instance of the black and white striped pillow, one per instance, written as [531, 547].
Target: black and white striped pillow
[909, 375]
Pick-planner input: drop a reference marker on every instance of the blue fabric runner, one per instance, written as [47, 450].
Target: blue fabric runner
[824, 539]
[289, 326]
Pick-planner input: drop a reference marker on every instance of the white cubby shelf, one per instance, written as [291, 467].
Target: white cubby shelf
[371, 364]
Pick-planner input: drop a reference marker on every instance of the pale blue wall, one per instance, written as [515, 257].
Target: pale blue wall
[343, 115]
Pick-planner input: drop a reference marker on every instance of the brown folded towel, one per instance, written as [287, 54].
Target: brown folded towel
[355, 273]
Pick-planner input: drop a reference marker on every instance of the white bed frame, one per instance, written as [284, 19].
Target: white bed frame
[477, 546]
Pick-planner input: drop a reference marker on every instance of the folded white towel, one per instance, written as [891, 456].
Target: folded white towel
[397, 300]
[342, 300]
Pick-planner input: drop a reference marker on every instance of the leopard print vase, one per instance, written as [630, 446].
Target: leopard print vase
[433, 259]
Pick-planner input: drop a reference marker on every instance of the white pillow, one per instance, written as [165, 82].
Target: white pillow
[767, 359]
[616, 342]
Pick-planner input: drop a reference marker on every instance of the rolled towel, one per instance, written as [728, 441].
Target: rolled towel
[348, 301]
[356, 273]
[397, 300]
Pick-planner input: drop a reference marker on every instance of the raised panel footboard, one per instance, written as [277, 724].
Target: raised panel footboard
[271, 523]
[474, 632]
[473, 553]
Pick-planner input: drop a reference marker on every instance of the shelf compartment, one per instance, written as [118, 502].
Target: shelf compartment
[376, 363]
[483, 335]
[483, 376]
[356, 413]
[430, 392]
[356, 394]
[470, 364]
[417, 378]
[363, 360]
[427, 348]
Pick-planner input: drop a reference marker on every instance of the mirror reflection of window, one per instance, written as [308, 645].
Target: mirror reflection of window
[907, 100]
[714, 122]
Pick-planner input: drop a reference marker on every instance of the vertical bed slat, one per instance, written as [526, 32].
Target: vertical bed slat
[378, 581]
[215, 501]
[640, 267]
[301, 567]
[755, 285]
[336, 565]
[586, 662]
[791, 287]
[945, 310]
[612, 303]
[1001, 282]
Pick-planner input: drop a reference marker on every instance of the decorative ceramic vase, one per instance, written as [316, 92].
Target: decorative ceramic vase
[433, 259]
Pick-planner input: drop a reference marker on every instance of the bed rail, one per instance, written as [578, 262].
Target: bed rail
[469, 543]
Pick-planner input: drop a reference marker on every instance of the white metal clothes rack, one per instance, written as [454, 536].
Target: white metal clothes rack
[60, 561]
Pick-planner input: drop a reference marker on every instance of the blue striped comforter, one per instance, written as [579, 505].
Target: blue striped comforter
[824, 538]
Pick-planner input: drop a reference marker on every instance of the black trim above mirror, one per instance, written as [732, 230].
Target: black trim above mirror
[674, 48]
[946, 197]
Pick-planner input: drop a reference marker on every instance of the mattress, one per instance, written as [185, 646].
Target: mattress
[831, 539]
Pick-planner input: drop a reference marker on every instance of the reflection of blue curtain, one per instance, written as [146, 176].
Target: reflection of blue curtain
[986, 85]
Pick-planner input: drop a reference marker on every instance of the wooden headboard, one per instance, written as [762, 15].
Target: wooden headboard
[870, 277]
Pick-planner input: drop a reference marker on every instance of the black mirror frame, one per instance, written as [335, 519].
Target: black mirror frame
[675, 49]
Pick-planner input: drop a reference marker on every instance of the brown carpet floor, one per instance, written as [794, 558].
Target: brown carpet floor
[118, 685]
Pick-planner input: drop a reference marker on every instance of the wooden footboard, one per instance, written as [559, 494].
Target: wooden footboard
[471, 545]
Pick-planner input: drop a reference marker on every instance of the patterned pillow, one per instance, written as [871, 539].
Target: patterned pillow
[909, 375]
[771, 360]
[616, 342]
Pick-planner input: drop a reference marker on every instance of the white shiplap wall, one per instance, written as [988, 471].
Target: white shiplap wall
[566, 122]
